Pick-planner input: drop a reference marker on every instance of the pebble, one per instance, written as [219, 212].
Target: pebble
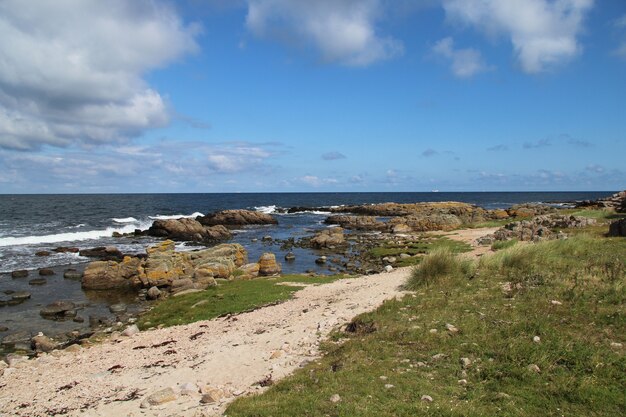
[556, 303]
[432, 331]
[130, 330]
[536, 339]
[616, 344]
[117, 308]
[335, 398]
[462, 382]
[427, 398]
[451, 328]
[388, 386]
[22, 273]
[46, 272]
[439, 356]
[388, 268]
[466, 362]
[189, 388]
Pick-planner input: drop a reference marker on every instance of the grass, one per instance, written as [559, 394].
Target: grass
[581, 373]
[422, 246]
[503, 244]
[228, 298]
[439, 265]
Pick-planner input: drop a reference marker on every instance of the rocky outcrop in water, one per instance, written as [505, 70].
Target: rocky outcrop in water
[328, 239]
[356, 222]
[188, 230]
[425, 223]
[616, 201]
[236, 218]
[109, 253]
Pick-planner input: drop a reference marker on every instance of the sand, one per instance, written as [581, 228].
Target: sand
[226, 355]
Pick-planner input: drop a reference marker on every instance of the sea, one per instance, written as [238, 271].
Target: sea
[33, 223]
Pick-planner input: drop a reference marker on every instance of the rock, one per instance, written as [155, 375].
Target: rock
[65, 249]
[13, 360]
[42, 343]
[189, 388]
[108, 253]
[335, 398]
[268, 265]
[556, 302]
[117, 308]
[401, 228]
[107, 275]
[465, 363]
[3, 329]
[236, 218]
[404, 256]
[462, 382]
[153, 293]
[42, 253]
[540, 227]
[328, 238]
[249, 271]
[188, 229]
[321, 260]
[72, 274]
[536, 339]
[38, 281]
[20, 295]
[616, 201]
[530, 210]
[211, 395]
[427, 398]
[290, 256]
[160, 397]
[451, 328]
[430, 222]
[617, 228]
[356, 222]
[19, 337]
[57, 309]
[179, 285]
[46, 272]
[22, 273]
[187, 291]
[534, 368]
[388, 268]
[130, 331]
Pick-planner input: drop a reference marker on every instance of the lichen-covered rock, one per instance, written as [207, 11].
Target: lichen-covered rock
[356, 222]
[530, 210]
[328, 238]
[236, 218]
[422, 223]
[188, 229]
[249, 271]
[268, 265]
[540, 227]
[106, 275]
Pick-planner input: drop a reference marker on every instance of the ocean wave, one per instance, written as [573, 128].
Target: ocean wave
[68, 237]
[125, 220]
[176, 216]
[78, 226]
[266, 209]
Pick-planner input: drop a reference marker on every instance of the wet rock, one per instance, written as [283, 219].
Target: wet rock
[160, 397]
[57, 310]
[268, 265]
[46, 272]
[267, 238]
[65, 249]
[236, 218]
[4, 300]
[78, 319]
[22, 273]
[42, 253]
[108, 253]
[72, 274]
[38, 281]
[3, 328]
[320, 260]
[290, 256]
[117, 308]
[188, 229]
[19, 337]
[43, 343]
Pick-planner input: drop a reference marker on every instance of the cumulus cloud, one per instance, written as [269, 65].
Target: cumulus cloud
[343, 31]
[232, 159]
[465, 63]
[332, 156]
[543, 32]
[71, 70]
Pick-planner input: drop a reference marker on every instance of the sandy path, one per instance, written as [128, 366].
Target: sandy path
[228, 354]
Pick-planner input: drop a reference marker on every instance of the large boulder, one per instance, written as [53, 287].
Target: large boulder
[425, 223]
[617, 228]
[236, 218]
[328, 238]
[108, 253]
[188, 229]
[106, 275]
[268, 265]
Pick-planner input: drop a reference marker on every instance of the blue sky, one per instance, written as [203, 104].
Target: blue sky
[294, 95]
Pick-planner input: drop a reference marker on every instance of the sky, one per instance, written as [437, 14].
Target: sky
[144, 96]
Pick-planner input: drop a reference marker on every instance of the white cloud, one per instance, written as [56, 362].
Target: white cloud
[465, 62]
[543, 32]
[71, 70]
[342, 30]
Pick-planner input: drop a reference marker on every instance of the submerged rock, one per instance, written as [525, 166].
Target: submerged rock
[58, 310]
[22, 273]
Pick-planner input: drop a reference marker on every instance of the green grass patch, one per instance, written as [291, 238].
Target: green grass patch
[419, 247]
[227, 298]
[503, 244]
[581, 373]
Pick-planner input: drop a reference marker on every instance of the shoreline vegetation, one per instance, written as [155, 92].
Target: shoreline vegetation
[534, 326]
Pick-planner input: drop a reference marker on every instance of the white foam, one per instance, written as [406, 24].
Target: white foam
[266, 209]
[78, 226]
[125, 220]
[68, 237]
[176, 216]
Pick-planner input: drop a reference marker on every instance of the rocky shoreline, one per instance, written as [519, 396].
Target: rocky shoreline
[342, 248]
